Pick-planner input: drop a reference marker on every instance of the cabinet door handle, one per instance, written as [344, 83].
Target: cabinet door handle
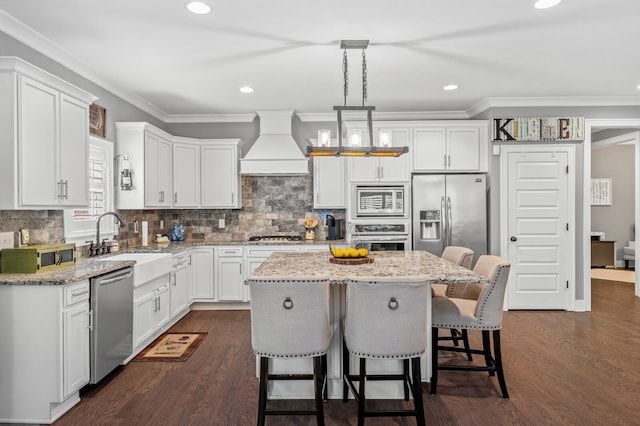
[233, 197]
[66, 189]
[60, 190]
[444, 158]
[381, 172]
[175, 197]
[90, 320]
[449, 160]
[79, 293]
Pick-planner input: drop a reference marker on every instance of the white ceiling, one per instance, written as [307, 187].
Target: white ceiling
[580, 52]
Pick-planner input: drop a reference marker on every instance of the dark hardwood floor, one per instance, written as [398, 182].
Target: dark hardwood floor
[562, 368]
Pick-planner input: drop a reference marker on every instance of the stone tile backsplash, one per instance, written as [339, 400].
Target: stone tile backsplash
[271, 205]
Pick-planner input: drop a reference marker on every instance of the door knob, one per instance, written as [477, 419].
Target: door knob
[514, 239]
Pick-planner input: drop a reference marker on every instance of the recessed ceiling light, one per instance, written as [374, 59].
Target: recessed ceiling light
[545, 4]
[198, 7]
[246, 89]
[450, 87]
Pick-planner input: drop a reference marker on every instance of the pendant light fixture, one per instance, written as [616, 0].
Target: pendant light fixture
[358, 146]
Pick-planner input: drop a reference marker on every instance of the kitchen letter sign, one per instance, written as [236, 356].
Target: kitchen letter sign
[536, 129]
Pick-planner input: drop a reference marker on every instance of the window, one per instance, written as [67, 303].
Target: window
[80, 224]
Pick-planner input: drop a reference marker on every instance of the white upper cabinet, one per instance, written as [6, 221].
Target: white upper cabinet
[186, 175]
[450, 146]
[44, 139]
[158, 166]
[381, 169]
[220, 181]
[170, 171]
[329, 183]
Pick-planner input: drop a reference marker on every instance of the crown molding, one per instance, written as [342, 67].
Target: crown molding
[566, 101]
[387, 116]
[210, 118]
[27, 35]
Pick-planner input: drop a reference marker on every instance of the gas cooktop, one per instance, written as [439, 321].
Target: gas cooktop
[275, 238]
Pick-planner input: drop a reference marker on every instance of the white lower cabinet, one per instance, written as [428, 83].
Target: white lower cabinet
[47, 361]
[203, 278]
[229, 274]
[151, 311]
[181, 284]
[76, 362]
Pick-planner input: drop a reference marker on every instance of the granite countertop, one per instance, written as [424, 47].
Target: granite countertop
[83, 269]
[91, 267]
[385, 263]
[178, 246]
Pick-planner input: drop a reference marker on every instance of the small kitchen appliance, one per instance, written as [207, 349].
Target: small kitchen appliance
[379, 201]
[37, 258]
[335, 228]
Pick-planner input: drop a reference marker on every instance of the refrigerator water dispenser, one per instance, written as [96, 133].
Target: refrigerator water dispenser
[430, 224]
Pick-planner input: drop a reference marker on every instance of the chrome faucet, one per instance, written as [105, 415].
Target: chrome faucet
[102, 248]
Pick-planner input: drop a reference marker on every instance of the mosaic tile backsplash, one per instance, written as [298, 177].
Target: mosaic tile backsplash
[271, 205]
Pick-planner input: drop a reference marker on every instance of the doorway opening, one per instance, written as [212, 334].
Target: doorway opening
[591, 126]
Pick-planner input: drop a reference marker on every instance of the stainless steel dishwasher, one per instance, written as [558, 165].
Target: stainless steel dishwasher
[112, 321]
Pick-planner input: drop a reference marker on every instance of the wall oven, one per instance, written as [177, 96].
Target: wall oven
[379, 201]
[383, 235]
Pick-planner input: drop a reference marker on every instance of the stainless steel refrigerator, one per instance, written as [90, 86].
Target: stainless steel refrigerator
[450, 210]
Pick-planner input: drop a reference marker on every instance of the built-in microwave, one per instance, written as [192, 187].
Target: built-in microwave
[376, 201]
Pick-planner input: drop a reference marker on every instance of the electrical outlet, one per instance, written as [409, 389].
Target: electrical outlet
[6, 240]
[220, 223]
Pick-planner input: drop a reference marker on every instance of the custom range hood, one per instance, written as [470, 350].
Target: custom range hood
[275, 152]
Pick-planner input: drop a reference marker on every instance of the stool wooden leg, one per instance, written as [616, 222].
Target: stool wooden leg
[434, 359]
[486, 345]
[325, 380]
[465, 341]
[262, 399]
[318, 381]
[454, 336]
[405, 381]
[361, 397]
[417, 391]
[498, 353]
[345, 372]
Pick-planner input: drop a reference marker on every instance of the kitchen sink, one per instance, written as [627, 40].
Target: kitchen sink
[148, 265]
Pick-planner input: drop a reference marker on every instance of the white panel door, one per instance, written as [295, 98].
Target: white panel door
[538, 226]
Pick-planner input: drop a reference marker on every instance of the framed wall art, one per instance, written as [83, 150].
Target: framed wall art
[97, 120]
[601, 191]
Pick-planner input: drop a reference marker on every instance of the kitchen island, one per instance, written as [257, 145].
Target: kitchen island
[391, 263]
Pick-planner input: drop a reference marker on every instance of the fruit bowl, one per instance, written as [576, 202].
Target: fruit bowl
[350, 251]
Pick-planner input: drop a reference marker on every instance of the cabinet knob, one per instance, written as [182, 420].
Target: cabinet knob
[514, 238]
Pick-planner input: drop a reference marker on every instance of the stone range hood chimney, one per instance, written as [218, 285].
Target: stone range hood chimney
[275, 152]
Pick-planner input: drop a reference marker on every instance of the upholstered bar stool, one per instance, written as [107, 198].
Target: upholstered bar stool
[290, 319]
[460, 256]
[385, 319]
[478, 308]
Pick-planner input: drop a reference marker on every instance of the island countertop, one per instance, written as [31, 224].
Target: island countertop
[385, 263]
